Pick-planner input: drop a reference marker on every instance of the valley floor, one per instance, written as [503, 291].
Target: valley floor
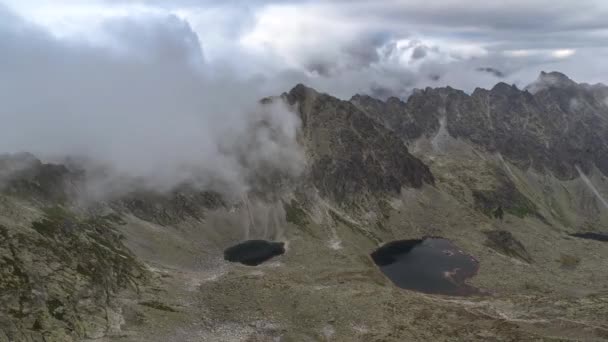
[321, 290]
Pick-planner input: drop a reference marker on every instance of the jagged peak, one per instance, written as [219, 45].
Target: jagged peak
[364, 97]
[502, 87]
[394, 100]
[595, 86]
[299, 93]
[301, 89]
[548, 80]
[438, 91]
[22, 157]
[545, 80]
[479, 91]
[554, 76]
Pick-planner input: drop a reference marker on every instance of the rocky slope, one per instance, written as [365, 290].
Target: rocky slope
[556, 127]
[506, 174]
[350, 156]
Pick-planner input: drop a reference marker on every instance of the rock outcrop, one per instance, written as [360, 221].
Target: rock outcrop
[553, 125]
[349, 154]
[58, 277]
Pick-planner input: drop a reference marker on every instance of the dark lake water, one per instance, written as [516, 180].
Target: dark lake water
[254, 252]
[592, 236]
[430, 265]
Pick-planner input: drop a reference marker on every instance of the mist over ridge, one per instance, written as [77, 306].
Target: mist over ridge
[143, 106]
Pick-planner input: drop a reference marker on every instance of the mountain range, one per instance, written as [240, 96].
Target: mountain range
[506, 174]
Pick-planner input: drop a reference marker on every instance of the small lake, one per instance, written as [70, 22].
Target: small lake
[429, 265]
[254, 252]
[592, 236]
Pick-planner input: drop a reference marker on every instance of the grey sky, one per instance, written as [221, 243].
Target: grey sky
[345, 47]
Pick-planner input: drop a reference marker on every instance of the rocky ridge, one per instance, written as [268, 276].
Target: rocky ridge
[555, 124]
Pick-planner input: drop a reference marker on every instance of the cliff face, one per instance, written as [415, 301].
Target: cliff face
[554, 125]
[350, 155]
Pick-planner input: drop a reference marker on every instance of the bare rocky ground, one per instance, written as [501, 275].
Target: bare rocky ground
[326, 287]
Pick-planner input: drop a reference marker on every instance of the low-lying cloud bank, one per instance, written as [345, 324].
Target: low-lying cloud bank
[144, 105]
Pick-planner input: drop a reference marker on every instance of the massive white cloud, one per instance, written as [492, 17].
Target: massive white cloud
[438, 42]
[142, 101]
[349, 46]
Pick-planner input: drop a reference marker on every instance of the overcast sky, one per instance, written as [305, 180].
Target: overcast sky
[168, 90]
[379, 47]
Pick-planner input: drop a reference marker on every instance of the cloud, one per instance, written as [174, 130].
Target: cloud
[419, 52]
[144, 104]
[432, 42]
[492, 71]
[563, 53]
[327, 43]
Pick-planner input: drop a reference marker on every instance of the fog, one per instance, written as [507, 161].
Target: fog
[143, 105]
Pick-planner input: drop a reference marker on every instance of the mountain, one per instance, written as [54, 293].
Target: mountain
[554, 128]
[506, 175]
[348, 154]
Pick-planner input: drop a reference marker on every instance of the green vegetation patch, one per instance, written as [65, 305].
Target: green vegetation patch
[505, 198]
[56, 309]
[569, 261]
[89, 265]
[295, 214]
[89, 244]
[154, 304]
[385, 208]
[54, 221]
[354, 227]
[494, 202]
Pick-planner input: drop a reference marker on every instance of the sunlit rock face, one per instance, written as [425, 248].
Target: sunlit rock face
[430, 265]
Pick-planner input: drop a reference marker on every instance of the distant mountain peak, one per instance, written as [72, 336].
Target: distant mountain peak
[502, 87]
[554, 124]
[547, 80]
